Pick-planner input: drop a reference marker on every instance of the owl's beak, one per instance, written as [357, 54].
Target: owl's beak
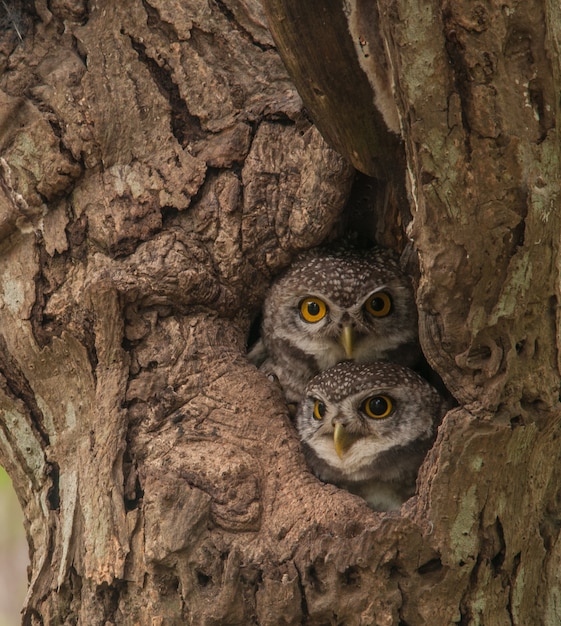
[342, 439]
[346, 340]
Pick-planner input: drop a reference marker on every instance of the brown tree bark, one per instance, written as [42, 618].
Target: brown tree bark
[157, 170]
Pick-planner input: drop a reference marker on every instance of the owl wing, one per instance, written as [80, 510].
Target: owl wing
[258, 353]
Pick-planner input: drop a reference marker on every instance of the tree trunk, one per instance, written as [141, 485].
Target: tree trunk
[157, 170]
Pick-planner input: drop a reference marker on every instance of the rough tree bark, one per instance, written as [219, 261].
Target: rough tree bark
[157, 170]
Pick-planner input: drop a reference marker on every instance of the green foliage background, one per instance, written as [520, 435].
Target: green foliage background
[13, 554]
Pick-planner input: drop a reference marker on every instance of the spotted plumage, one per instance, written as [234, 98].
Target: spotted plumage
[332, 305]
[368, 427]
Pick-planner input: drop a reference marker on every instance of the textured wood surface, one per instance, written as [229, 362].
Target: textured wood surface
[157, 171]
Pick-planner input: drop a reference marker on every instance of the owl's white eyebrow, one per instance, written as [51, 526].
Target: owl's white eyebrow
[376, 290]
[319, 295]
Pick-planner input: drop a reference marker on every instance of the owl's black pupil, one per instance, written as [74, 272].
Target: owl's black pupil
[313, 308]
[377, 304]
[320, 409]
[378, 406]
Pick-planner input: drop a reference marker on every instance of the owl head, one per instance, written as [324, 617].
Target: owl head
[366, 424]
[333, 305]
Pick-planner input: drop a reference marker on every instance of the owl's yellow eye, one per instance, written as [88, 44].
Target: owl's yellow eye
[379, 304]
[312, 309]
[377, 407]
[319, 410]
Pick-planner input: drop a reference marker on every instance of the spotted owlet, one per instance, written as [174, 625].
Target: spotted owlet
[367, 428]
[333, 305]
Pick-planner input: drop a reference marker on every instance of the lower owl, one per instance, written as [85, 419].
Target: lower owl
[367, 428]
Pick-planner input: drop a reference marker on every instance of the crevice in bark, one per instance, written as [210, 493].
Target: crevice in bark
[430, 567]
[203, 579]
[230, 16]
[107, 597]
[48, 323]
[156, 23]
[498, 559]
[184, 126]
[132, 491]
[20, 389]
[460, 70]
[550, 526]
[61, 190]
[351, 577]
[41, 336]
[302, 592]
[314, 579]
[76, 235]
[516, 422]
[88, 339]
[514, 573]
[211, 174]
[70, 597]
[53, 493]
[165, 579]
[169, 214]
[78, 48]
[466, 617]
[32, 618]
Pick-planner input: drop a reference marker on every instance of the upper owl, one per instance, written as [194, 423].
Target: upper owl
[368, 427]
[332, 305]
